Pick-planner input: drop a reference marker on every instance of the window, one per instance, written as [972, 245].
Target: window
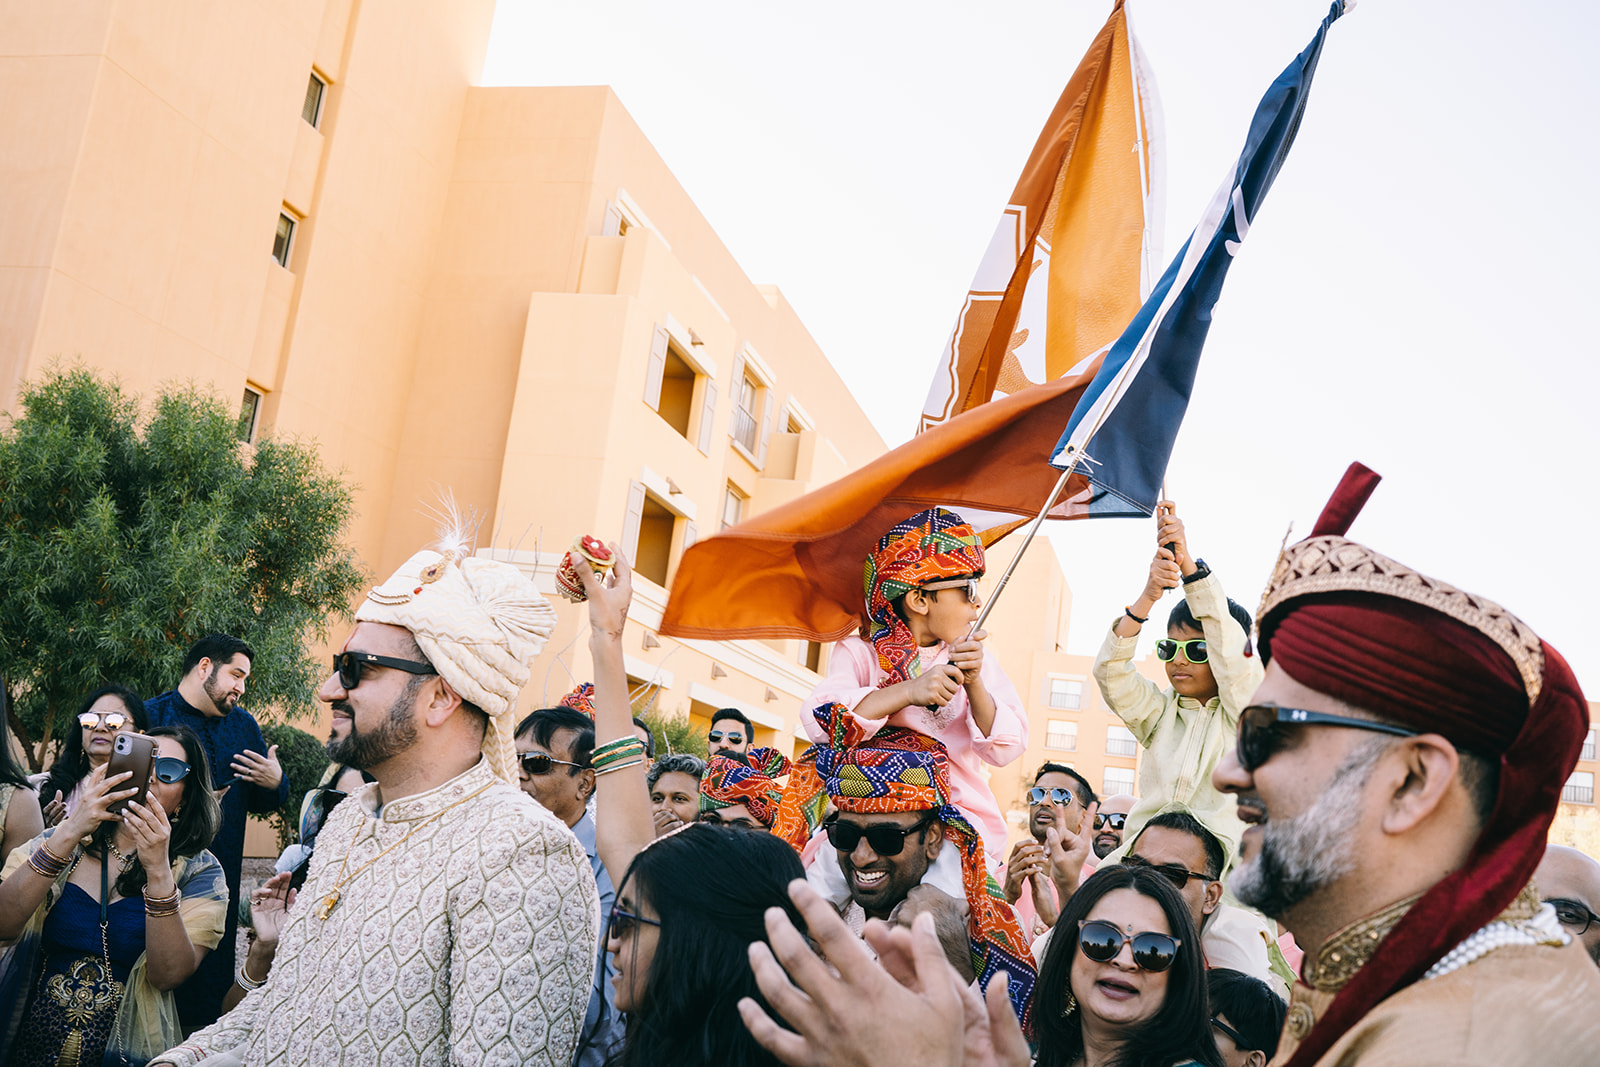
[732, 507]
[1061, 735]
[284, 241]
[1066, 693]
[745, 426]
[249, 413]
[1579, 788]
[670, 387]
[311, 110]
[809, 655]
[1116, 780]
[1588, 746]
[1120, 742]
[654, 553]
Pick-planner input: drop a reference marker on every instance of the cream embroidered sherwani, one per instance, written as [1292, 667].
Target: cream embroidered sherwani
[1519, 1004]
[471, 943]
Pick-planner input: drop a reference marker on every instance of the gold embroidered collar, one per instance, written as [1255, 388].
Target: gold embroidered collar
[1347, 951]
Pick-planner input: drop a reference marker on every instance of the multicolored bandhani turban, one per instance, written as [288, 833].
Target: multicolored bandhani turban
[732, 780]
[480, 623]
[580, 699]
[929, 546]
[1346, 621]
[902, 770]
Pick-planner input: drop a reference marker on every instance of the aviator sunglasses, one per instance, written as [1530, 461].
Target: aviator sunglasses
[1194, 649]
[1058, 795]
[733, 738]
[1178, 876]
[94, 720]
[1101, 941]
[1262, 733]
[883, 839]
[350, 665]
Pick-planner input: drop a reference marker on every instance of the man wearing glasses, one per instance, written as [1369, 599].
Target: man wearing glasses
[1109, 823]
[1399, 769]
[1569, 882]
[729, 734]
[446, 918]
[1060, 799]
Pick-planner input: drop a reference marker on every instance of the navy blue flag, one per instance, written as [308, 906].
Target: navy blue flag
[1121, 431]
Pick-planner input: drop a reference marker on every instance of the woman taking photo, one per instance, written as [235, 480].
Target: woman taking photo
[107, 914]
[1123, 982]
[103, 712]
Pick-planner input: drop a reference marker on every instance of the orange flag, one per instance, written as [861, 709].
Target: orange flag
[1069, 263]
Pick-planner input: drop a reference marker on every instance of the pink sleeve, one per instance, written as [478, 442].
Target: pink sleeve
[852, 668]
[1009, 736]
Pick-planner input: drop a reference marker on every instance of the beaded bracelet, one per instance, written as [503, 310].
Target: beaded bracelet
[613, 754]
[1128, 611]
[608, 768]
[47, 864]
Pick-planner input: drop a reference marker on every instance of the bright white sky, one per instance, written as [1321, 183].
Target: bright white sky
[1410, 294]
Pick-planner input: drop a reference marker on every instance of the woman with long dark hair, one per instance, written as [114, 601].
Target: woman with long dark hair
[87, 745]
[19, 807]
[109, 914]
[1123, 981]
[679, 936]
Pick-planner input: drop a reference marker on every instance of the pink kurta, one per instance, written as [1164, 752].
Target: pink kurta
[853, 672]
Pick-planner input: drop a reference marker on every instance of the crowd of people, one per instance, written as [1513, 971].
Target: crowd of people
[1337, 854]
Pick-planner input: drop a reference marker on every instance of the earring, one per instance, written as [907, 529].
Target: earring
[1069, 1005]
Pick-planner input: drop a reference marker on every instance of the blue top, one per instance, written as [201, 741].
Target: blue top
[602, 1026]
[224, 738]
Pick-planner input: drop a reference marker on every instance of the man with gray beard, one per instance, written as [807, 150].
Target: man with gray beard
[1398, 770]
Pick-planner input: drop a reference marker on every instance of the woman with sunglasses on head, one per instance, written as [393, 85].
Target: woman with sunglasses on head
[1187, 727]
[102, 714]
[688, 905]
[1123, 983]
[108, 913]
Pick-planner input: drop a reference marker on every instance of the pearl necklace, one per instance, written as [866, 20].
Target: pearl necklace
[1542, 929]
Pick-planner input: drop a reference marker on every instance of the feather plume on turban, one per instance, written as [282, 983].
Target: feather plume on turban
[927, 547]
[903, 770]
[480, 622]
[730, 781]
[1346, 621]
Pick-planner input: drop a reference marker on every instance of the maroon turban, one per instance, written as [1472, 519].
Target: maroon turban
[1353, 624]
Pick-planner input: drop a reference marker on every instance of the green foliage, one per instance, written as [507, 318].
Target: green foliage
[304, 761]
[672, 732]
[124, 538]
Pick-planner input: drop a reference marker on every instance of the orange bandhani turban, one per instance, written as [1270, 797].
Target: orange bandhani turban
[1347, 621]
[928, 546]
[580, 699]
[902, 770]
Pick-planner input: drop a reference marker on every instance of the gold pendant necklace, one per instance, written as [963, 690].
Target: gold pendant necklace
[326, 905]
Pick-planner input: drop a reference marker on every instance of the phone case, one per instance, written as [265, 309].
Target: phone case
[136, 753]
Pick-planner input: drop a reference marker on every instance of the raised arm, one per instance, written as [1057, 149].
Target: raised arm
[622, 822]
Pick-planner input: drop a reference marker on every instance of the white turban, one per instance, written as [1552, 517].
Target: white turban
[480, 622]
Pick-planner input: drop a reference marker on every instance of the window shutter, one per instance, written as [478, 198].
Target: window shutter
[612, 226]
[656, 368]
[708, 413]
[691, 533]
[766, 429]
[632, 520]
[737, 379]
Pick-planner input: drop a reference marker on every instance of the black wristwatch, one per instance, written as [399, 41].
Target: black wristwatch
[1200, 571]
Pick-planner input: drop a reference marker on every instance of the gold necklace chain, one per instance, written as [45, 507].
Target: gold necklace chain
[326, 905]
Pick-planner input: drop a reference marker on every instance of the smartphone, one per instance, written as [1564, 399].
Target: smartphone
[136, 753]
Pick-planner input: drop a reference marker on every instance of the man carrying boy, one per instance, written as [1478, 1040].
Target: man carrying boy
[916, 667]
[1186, 728]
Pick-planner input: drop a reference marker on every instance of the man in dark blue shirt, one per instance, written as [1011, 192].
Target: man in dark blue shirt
[207, 702]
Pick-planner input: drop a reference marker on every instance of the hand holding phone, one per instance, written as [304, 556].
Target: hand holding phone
[136, 753]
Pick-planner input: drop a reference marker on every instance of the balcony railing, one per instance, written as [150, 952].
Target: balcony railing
[744, 429]
[1578, 794]
[1116, 747]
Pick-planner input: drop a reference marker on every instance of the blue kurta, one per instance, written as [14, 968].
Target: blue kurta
[223, 738]
[602, 1026]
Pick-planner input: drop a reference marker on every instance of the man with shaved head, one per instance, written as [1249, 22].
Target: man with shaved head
[1108, 823]
[1569, 881]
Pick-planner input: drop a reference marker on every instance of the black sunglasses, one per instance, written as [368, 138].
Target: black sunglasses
[349, 666]
[1238, 1039]
[883, 839]
[1101, 941]
[733, 739]
[1172, 872]
[543, 763]
[1038, 793]
[622, 922]
[1573, 913]
[1261, 729]
[170, 769]
[1115, 819]
[1194, 649]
